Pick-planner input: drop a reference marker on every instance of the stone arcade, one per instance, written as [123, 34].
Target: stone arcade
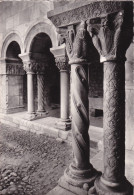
[109, 24]
[48, 53]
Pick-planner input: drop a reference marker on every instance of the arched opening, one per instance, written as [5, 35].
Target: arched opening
[40, 52]
[41, 43]
[13, 50]
[17, 93]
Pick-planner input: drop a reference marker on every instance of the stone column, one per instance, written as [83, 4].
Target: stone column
[62, 64]
[41, 68]
[111, 36]
[30, 67]
[80, 175]
[41, 103]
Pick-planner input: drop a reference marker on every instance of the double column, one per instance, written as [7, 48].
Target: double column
[61, 62]
[111, 36]
[32, 67]
[110, 25]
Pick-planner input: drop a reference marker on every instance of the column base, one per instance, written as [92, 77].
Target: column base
[30, 116]
[80, 182]
[42, 114]
[104, 187]
[64, 125]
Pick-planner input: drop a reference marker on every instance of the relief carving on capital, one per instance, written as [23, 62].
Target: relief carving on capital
[35, 66]
[14, 69]
[76, 42]
[108, 35]
[62, 63]
[30, 66]
[90, 10]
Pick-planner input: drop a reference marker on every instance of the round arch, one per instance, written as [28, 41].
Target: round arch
[41, 27]
[13, 36]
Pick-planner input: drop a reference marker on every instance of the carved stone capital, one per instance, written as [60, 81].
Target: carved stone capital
[111, 35]
[76, 42]
[62, 63]
[61, 59]
[34, 63]
[30, 66]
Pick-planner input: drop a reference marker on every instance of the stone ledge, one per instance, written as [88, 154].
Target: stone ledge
[39, 126]
[59, 191]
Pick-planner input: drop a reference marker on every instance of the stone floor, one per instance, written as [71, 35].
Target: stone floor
[97, 162]
[31, 164]
[46, 127]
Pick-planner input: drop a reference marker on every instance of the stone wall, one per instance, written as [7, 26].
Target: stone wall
[20, 17]
[3, 93]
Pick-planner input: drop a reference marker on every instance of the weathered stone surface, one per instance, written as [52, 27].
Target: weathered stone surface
[82, 10]
[59, 191]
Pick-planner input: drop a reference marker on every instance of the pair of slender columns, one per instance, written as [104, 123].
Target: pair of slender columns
[31, 67]
[111, 38]
[30, 94]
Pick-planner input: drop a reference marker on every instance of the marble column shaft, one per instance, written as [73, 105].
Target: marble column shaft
[63, 66]
[30, 93]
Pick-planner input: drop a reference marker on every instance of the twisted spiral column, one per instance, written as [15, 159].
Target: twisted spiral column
[80, 172]
[80, 119]
[41, 98]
